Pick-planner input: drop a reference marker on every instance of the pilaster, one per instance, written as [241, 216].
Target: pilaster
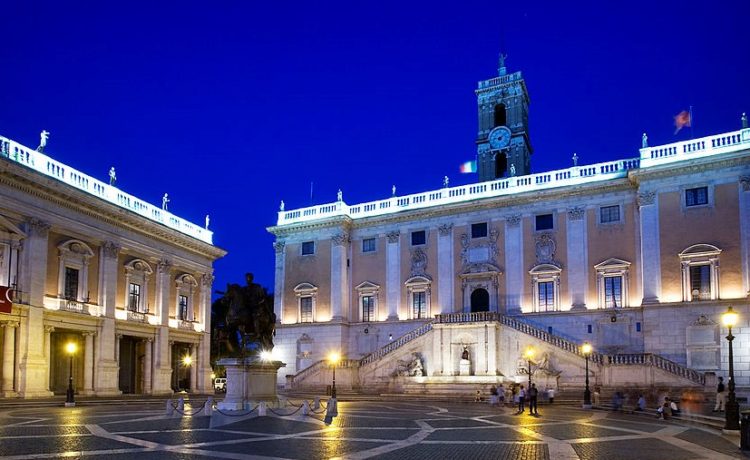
[9, 358]
[445, 268]
[162, 376]
[339, 275]
[513, 263]
[393, 274]
[163, 286]
[744, 190]
[577, 255]
[147, 365]
[108, 253]
[278, 300]
[88, 364]
[648, 204]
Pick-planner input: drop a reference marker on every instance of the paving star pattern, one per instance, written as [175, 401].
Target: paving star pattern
[363, 429]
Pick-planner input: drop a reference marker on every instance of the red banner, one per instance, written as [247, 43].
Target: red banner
[6, 302]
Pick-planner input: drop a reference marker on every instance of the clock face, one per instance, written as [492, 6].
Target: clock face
[499, 137]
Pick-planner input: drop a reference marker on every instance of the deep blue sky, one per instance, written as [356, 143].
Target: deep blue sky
[233, 107]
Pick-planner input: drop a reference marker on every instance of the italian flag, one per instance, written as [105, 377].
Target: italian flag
[469, 167]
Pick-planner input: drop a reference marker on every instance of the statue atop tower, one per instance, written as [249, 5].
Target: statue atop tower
[503, 145]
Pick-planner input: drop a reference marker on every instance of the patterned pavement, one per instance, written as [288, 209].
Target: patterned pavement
[364, 429]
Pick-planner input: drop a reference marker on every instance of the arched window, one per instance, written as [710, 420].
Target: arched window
[480, 300]
[418, 292]
[368, 301]
[500, 115]
[137, 274]
[700, 272]
[545, 279]
[307, 295]
[501, 165]
[73, 274]
[186, 288]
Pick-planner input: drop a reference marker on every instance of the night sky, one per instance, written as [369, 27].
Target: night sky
[234, 107]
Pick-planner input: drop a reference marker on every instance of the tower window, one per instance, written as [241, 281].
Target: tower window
[500, 115]
[479, 230]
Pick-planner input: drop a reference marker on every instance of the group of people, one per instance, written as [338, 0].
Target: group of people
[517, 395]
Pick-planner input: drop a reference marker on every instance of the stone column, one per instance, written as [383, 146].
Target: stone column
[88, 364]
[147, 366]
[163, 284]
[445, 269]
[339, 276]
[650, 255]
[393, 274]
[48, 330]
[279, 282]
[577, 268]
[745, 231]
[117, 348]
[9, 357]
[514, 283]
[162, 383]
[32, 363]
[193, 368]
[107, 378]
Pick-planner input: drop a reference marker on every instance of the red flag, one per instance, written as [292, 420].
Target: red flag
[681, 120]
[6, 304]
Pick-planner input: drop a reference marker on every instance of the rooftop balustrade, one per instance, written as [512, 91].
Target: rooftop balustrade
[42, 163]
[577, 175]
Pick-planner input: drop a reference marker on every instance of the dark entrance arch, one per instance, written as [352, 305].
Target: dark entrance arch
[480, 300]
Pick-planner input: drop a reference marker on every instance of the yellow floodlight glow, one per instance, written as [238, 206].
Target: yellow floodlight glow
[529, 353]
[586, 348]
[334, 358]
[187, 360]
[71, 348]
[265, 356]
[729, 319]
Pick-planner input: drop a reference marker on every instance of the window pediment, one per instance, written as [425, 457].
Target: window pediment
[612, 264]
[545, 269]
[700, 250]
[305, 288]
[139, 265]
[8, 227]
[76, 248]
[367, 286]
[417, 280]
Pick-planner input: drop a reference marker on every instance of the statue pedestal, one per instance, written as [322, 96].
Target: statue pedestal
[464, 367]
[249, 380]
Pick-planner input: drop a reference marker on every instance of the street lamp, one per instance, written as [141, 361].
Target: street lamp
[334, 358]
[529, 356]
[70, 400]
[732, 420]
[586, 350]
[266, 356]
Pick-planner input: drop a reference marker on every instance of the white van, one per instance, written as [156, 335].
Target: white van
[220, 384]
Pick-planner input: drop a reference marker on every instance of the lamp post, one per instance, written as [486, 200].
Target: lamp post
[732, 419]
[334, 358]
[529, 355]
[70, 400]
[586, 350]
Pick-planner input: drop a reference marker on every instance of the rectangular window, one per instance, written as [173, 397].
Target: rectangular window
[479, 230]
[183, 313]
[305, 310]
[696, 196]
[608, 214]
[418, 238]
[700, 282]
[544, 222]
[546, 295]
[368, 309]
[638, 327]
[308, 248]
[134, 297]
[71, 283]
[612, 291]
[368, 245]
[419, 304]
[589, 329]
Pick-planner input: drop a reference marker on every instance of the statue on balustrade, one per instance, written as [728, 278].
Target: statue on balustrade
[243, 321]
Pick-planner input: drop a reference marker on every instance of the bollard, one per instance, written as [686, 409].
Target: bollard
[331, 411]
[305, 408]
[170, 407]
[262, 409]
[181, 405]
[316, 403]
[209, 406]
[745, 430]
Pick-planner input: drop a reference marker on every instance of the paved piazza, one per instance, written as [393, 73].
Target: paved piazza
[363, 429]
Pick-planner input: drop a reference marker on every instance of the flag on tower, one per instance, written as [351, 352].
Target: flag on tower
[469, 167]
[681, 120]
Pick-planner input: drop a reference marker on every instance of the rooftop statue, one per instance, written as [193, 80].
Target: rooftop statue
[43, 136]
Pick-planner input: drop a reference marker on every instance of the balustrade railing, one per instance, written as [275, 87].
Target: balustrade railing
[137, 316]
[467, 317]
[404, 339]
[187, 325]
[693, 148]
[40, 162]
[660, 362]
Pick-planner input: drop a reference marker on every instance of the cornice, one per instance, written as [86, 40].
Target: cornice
[30, 182]
[698, 165]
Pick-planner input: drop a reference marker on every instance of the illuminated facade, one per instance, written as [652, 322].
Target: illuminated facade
[636, 256]
[128, 282]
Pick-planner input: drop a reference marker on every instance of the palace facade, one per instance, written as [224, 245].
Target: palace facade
[638, 256]
[127, 282]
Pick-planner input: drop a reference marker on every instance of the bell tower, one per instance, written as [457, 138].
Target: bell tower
[503, 145]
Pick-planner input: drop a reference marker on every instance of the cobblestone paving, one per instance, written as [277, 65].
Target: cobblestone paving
[371, 429]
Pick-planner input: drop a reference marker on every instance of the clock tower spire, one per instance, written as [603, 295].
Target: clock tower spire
[503, 145]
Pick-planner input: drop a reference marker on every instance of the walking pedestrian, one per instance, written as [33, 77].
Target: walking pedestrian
[721, 398]
[551, 395]
[521, 399]
[597, 394]
[533, 395]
